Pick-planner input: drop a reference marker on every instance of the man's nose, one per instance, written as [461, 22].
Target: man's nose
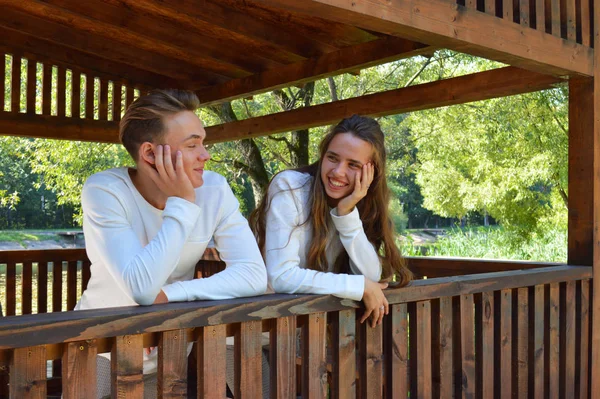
[204, 155]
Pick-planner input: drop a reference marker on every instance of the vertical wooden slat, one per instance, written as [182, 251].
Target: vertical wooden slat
[172, 364]
[507, 10]
[79, 370]
[556, 15]
[554, 349]
[594, 184]
[571, 20]
[370, 356]
[27, 288]
[283, 357]
[540, 15]
[61, 103]
[126, 367]
[76, 94]
[487, 349]
[28, 373]
[85, 274]
[57, 286]
[11, 292]
[522, 342]
[586, 32]
[314, 371]
[3, 80]
[490, 7]
[42, 293]
[570, 315]
[396, 359]
[584, 321]
[47, 90]
[211, 362]
[538, 350]
[103, 103]
[472, 4]
[128, 97]
[89, 96]
[506, 344]
[117, 101]
[412, 349]
[31, 86]
[524, 13]
[71, 284]
[446, 348]
[248, 360]
[15, 90]
[424, 369]
[467, 336]
[344, 354]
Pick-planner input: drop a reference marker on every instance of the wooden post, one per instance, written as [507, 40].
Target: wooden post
[595, 372]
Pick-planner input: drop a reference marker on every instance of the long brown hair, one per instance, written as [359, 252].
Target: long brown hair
[373, 208]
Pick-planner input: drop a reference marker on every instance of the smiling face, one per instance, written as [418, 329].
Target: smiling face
[343, 159]
[184, 132]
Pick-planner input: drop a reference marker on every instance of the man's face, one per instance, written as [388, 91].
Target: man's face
[185, 133]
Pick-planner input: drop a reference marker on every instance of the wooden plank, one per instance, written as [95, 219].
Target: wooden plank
[283, 355]
[371, 360]
[26, 297]
[446, 267]
[524, 13]
[79, 370]
[11, 292]
[61, 94]
[15, 84]
[586, 16]
[540, 15]
[85, 274]
[571, 21]
[89, 96]
[47, 89]
[71, 284]
[556, 16]
[103, 103]
[118, 102]
[342, 61]
[581, 172]
[554, 348]
[467, 336]
[595, 354]
[126, 367]
[424, 369]
[506, 344]
[211, 362]
[538, 344]
[570, 316]
[28, 373]
[248, 360]
[31, 86]
[172, 364]
[480, 86]
[128, 97]
[522, 338]
[584, 334]
[508, 11]
[396, 346]
[314, 371]
[444, 24]
[490, 7]
[3, 82]
[487, 350]
[446, 348]
[42, 287]
[57, 269]
[76, 94]
[472, 4]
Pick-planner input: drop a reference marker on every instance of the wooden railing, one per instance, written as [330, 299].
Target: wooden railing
[525, 332]
[568, 19]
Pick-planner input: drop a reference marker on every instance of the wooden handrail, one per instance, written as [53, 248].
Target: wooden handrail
[59, 327]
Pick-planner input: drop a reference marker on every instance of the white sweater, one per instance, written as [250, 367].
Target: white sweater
[287, 243]
[136, 250]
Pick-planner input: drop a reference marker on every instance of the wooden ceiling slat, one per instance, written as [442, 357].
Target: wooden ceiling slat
[441, 23]
[164, 31]
[99, 47]
[94, 29]
[345, 60]
[475, 87]
[47, 52]
[315, 27]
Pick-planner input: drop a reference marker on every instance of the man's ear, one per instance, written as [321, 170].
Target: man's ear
[146, 153]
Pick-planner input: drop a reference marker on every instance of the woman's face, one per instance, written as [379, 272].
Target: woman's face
[343, 159]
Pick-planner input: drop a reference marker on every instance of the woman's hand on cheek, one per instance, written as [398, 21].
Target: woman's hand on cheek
[171, 180]
[362, 182]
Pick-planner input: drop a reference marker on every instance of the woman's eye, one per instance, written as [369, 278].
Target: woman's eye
[192, 146]
[331, 158]
[354, 166]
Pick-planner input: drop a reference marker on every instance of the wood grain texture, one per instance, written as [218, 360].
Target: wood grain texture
[28, 373]
[370, 361]
[89, 96]
[103, 103]
[72, 296]
[61, 82]
[540, 15]
[396, 345]
[11, 291]
[42, 287]
[15, 84]
[211, 366]
[554, 348]
[126, 367]
[570, 338]
[595, 353]
[57, 269]
[506, 344]
[283, 357]
[79, 370]
[27, 297]
[586, 18]
[343, 344]
[424, 366]
[487, 347]
[522, 342]
[172, 364]
[584, 334]
[538, 365]
[248, 360]
[314, 368]
[31, 86]
[556, 17]
[467, 336]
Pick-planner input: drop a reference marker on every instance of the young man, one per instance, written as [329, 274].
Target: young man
[146, 228]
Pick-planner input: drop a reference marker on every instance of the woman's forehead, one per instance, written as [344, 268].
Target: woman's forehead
[349, 146]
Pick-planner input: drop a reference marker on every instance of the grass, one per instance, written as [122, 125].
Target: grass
[22, 236]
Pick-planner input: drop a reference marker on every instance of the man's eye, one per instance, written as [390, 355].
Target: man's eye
[192, 146]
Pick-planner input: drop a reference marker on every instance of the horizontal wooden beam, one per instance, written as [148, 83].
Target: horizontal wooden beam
[500, 82]
[52, 328]
[345, 60]
[446, 24]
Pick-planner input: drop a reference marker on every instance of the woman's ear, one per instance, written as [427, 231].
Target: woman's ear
[146, 153]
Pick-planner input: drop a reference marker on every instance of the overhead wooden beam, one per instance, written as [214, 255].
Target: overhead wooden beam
[501, 82]
[449, 25]
[348, 59]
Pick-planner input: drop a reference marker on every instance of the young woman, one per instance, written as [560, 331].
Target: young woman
[325, 228]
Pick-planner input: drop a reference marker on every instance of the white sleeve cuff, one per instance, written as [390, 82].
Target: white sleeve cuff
[356, 287]
[347, 222]
[175, 292]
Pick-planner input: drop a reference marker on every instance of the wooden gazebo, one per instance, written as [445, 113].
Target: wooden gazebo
[472, 328]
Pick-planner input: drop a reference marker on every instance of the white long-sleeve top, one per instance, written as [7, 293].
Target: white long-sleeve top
[136, 249]
[288, 239]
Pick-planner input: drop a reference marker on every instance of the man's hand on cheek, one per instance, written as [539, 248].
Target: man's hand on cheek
[172, 180]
